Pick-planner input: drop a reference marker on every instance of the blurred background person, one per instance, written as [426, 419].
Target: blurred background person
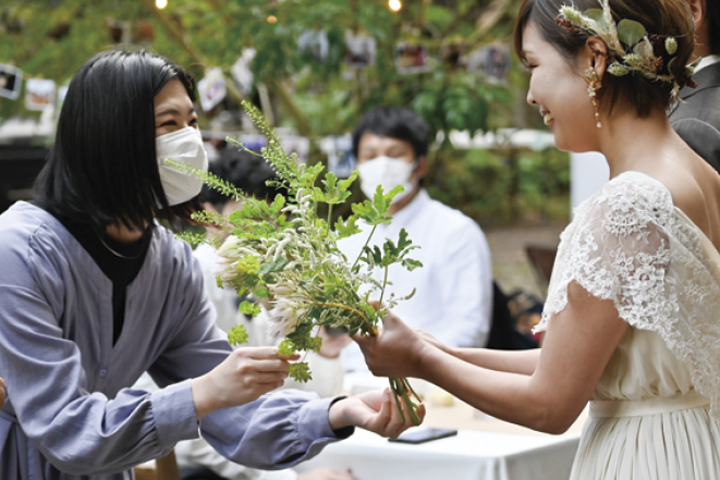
[697, 118]
[453, 299]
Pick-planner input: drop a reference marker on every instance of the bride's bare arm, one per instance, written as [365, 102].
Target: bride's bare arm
[512, 361]
[576, 349]
[523, 362]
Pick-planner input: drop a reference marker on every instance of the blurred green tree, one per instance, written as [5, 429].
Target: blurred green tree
[52, 38]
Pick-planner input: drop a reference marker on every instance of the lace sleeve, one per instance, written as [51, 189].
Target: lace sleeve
[617, 249]
[629, 244]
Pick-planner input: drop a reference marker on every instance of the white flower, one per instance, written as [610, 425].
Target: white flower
[283, 318]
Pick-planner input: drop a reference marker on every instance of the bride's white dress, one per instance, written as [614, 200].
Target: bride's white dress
[654, 414]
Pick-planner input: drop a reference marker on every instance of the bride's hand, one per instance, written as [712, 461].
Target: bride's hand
[375, 411]
[397, 351]
[434, 341]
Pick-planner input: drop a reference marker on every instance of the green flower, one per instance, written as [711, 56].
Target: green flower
[237, 335]
[572, 15]
[671, 45]
[617, 70]
[634, 60]
[300, 371]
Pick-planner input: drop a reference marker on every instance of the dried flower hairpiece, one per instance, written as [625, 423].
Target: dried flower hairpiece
[630, 48]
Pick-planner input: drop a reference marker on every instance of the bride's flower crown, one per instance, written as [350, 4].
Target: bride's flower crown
[630, 47]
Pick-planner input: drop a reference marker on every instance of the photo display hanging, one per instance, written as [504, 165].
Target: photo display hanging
[10, 81]
[492, 61]
[361, 50]
[212, 89]
[411, 58]
[39, 94]
[341, 159]
[316, 42]
[242, 73]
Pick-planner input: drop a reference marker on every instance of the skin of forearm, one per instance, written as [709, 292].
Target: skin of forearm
[514, 397]
[523, 362]
[204, 404]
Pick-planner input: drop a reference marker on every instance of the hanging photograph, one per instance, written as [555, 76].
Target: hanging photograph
[212, 89]
[360, 50]
[492, 61]
[411, 58]
[241, 72]
[298, 145]
[316, 42]
[451, 55]
[39, 93]
[10, 81]
[341, 159]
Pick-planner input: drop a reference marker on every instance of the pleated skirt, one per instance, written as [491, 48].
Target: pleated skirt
[676, 445]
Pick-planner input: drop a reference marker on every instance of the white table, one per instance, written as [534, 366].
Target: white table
[471, 455]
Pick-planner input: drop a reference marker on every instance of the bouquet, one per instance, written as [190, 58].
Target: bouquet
[284, 254]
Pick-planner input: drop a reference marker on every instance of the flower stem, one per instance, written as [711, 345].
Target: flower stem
[384, 284]
[329, 219]
[367, 242]
[357, 312]
[401, 387]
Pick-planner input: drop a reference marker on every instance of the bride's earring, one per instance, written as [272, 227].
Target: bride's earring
[594, 85]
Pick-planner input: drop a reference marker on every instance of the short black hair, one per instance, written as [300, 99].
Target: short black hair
[103, 167]
[246, 171]
[712, 17]
[393, 122]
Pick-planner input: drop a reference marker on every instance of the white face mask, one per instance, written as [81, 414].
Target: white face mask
[387, 172]
[182, 146]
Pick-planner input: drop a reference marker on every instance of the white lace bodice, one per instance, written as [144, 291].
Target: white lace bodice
[630, 244]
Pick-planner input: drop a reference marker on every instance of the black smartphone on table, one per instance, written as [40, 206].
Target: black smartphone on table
[424, 435]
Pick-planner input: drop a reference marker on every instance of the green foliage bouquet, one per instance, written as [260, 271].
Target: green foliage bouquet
[286, 255]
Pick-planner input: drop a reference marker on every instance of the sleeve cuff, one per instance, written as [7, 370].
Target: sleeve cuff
[174, 413]
[314, 421]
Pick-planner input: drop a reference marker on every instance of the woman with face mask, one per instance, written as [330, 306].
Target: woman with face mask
[95, 292]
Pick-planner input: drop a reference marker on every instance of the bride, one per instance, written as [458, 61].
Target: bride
[632, 315]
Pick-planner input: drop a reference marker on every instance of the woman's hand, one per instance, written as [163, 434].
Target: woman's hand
[332, 345]
[435, 342]
[2, 392]
[375, 411]
[397, 351]
[245, 375]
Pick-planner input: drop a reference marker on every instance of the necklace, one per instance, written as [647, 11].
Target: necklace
[118, 254]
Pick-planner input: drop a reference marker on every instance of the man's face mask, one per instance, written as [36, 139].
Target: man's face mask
[182, 146]
[387, 172]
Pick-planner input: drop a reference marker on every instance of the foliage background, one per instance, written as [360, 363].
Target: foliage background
[52, 38]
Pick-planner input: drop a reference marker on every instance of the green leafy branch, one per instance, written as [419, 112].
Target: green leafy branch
[284, 253]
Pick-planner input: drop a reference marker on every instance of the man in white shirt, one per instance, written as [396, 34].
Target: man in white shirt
[453, 299]
[697, 118]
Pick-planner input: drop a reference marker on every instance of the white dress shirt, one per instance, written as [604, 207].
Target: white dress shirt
[453, 298]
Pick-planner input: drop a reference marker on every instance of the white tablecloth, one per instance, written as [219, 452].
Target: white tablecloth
[471, 455]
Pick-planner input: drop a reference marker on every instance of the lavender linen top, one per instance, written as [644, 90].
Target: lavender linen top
[70, 412]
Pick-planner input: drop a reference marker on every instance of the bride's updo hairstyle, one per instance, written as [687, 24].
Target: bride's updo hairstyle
[661, 19]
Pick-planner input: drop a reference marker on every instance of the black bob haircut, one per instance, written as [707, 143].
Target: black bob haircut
[244, 170]
[393, 122]
[103, 167]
